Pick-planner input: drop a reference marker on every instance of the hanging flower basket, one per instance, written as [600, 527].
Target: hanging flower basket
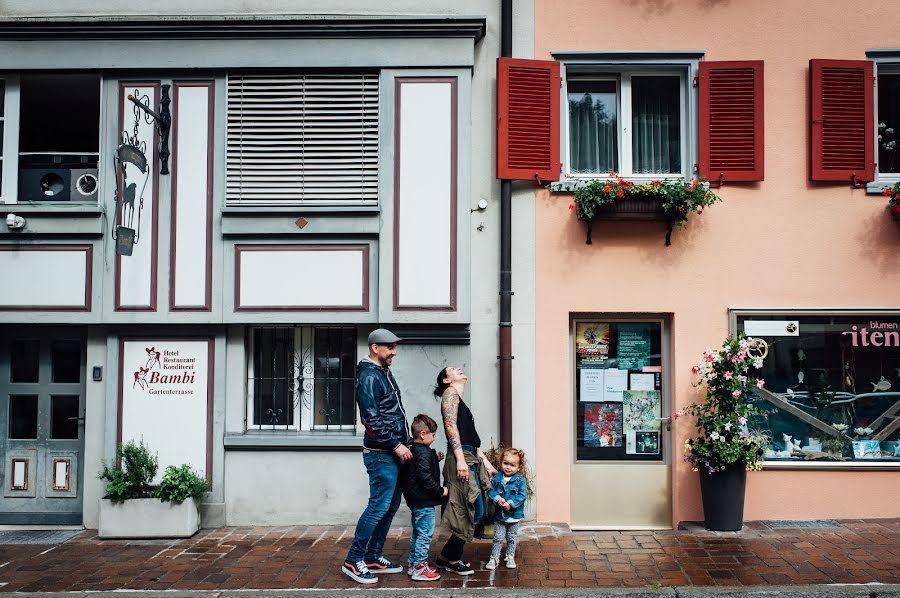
[618, 199]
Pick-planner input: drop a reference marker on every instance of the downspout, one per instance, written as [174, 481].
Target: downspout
[505, 356]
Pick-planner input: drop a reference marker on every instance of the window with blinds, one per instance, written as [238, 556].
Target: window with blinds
[302, 139]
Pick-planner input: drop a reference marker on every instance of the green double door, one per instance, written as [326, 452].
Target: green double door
[42, 386]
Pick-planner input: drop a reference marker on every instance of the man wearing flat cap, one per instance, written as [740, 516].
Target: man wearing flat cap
[385, 448]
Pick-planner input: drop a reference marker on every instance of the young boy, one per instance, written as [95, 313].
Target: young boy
[423, 492]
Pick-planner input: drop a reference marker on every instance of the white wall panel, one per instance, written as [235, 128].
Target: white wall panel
[136, 276]
[45, 276]
[297, 277]
[191, 266]
[425, 204]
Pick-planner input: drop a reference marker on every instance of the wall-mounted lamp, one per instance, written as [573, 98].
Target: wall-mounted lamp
[14, 222]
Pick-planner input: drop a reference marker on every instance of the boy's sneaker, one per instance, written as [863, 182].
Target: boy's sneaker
[358, 572]
[491, 564]
[461, 567]
[510, 562]
[410, 568]
[382, 565]
[423, 572]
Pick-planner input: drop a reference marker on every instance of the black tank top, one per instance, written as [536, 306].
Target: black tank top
[465, 423]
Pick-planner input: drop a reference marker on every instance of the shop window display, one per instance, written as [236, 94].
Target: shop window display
[832, 386]
[619, 399]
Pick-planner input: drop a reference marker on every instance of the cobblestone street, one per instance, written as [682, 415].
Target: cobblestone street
[310, 556]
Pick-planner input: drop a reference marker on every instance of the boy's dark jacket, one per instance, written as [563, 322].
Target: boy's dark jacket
[514, 493]
[422, 478]
[380, 407]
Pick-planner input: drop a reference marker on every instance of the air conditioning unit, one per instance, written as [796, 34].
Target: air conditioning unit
[55, 177]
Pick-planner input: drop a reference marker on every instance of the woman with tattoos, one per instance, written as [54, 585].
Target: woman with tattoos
[465, 468]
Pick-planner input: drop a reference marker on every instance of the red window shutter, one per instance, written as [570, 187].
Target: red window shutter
[527, 119]
[842, 131]
[731, 121]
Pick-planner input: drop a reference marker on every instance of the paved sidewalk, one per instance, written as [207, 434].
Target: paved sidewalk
[271, 558]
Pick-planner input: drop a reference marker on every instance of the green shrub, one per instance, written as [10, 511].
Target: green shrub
[134, 470]
[180, 483]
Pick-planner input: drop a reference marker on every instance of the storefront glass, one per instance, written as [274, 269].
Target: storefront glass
[833, 385]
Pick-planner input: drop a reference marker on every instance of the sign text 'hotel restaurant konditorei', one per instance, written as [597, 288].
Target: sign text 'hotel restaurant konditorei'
[165, 395]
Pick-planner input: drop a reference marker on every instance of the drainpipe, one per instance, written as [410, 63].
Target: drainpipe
[505, 356]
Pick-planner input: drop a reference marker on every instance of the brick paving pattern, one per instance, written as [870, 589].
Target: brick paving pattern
[309, 557]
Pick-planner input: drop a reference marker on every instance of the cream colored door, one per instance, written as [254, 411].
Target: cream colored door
[621, 466]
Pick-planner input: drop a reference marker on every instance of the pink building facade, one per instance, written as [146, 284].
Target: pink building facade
[795, 261]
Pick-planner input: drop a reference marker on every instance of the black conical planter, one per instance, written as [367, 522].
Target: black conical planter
[723, 498]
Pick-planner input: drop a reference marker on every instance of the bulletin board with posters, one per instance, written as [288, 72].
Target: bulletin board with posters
[619, 384]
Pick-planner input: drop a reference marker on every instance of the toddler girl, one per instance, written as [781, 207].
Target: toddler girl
[508, 494]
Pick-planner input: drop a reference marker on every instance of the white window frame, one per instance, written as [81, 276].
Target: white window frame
[9, 165]
[887, 65]
[304, 413]
[623, 66]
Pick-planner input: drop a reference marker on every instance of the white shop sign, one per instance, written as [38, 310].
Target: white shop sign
[165, 394]
[772, 328]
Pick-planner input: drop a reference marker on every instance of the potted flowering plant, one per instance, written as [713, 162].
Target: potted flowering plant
[725, 448]
[893, 195]
[616, 198]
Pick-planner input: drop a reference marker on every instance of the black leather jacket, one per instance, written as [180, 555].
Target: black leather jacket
[380, 407]
[422, 478]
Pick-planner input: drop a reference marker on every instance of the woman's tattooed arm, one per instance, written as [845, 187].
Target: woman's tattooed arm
[449, 410]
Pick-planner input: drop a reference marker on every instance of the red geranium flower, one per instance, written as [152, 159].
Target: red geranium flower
[607, 189]
[620, 193]
[571, 206]
[887, 192]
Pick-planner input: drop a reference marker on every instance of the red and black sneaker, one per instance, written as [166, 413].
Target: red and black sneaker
[382, 565]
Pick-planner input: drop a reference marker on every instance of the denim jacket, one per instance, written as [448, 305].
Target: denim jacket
[514, 493]
[380, 407]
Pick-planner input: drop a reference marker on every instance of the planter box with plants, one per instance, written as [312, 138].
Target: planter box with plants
[893, 195]
[133, 508]
[618, 199]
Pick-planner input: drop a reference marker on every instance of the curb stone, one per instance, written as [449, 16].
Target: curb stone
[873, 590]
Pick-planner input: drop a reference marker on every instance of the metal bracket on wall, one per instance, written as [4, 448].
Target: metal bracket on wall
[163, 124]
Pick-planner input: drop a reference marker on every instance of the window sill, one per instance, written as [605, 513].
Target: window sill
[570, 184]
[832, 465]
[878, 185]
[281, 209]
[293, 441]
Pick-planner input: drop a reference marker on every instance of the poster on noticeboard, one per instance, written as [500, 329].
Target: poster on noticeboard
[592, 339]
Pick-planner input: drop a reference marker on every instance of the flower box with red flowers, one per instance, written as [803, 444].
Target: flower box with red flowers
[618, 199]
[893, 195]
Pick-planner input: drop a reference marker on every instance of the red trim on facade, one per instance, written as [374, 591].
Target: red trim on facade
[528, 119]
[842, 133]
[731, 121]
[153, 160]
[362, 248]
[210, 381]
[454, 175]
[210, 151]
[88, 277]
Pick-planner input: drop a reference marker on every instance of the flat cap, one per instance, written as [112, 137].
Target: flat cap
[383, 336]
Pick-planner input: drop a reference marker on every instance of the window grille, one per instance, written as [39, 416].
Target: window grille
[302, 378]
[301, 139]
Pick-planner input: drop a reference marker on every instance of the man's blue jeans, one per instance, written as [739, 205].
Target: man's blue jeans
[384, 500]
[422, 529]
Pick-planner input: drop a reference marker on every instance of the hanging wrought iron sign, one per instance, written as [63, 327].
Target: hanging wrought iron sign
[131, 159]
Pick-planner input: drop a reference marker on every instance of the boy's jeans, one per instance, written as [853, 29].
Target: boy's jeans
[384, 500]
[422, 529]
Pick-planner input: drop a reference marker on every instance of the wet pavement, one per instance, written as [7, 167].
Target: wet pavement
[307, 557]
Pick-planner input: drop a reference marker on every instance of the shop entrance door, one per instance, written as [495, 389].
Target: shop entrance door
[621, 471]
[42, 380]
